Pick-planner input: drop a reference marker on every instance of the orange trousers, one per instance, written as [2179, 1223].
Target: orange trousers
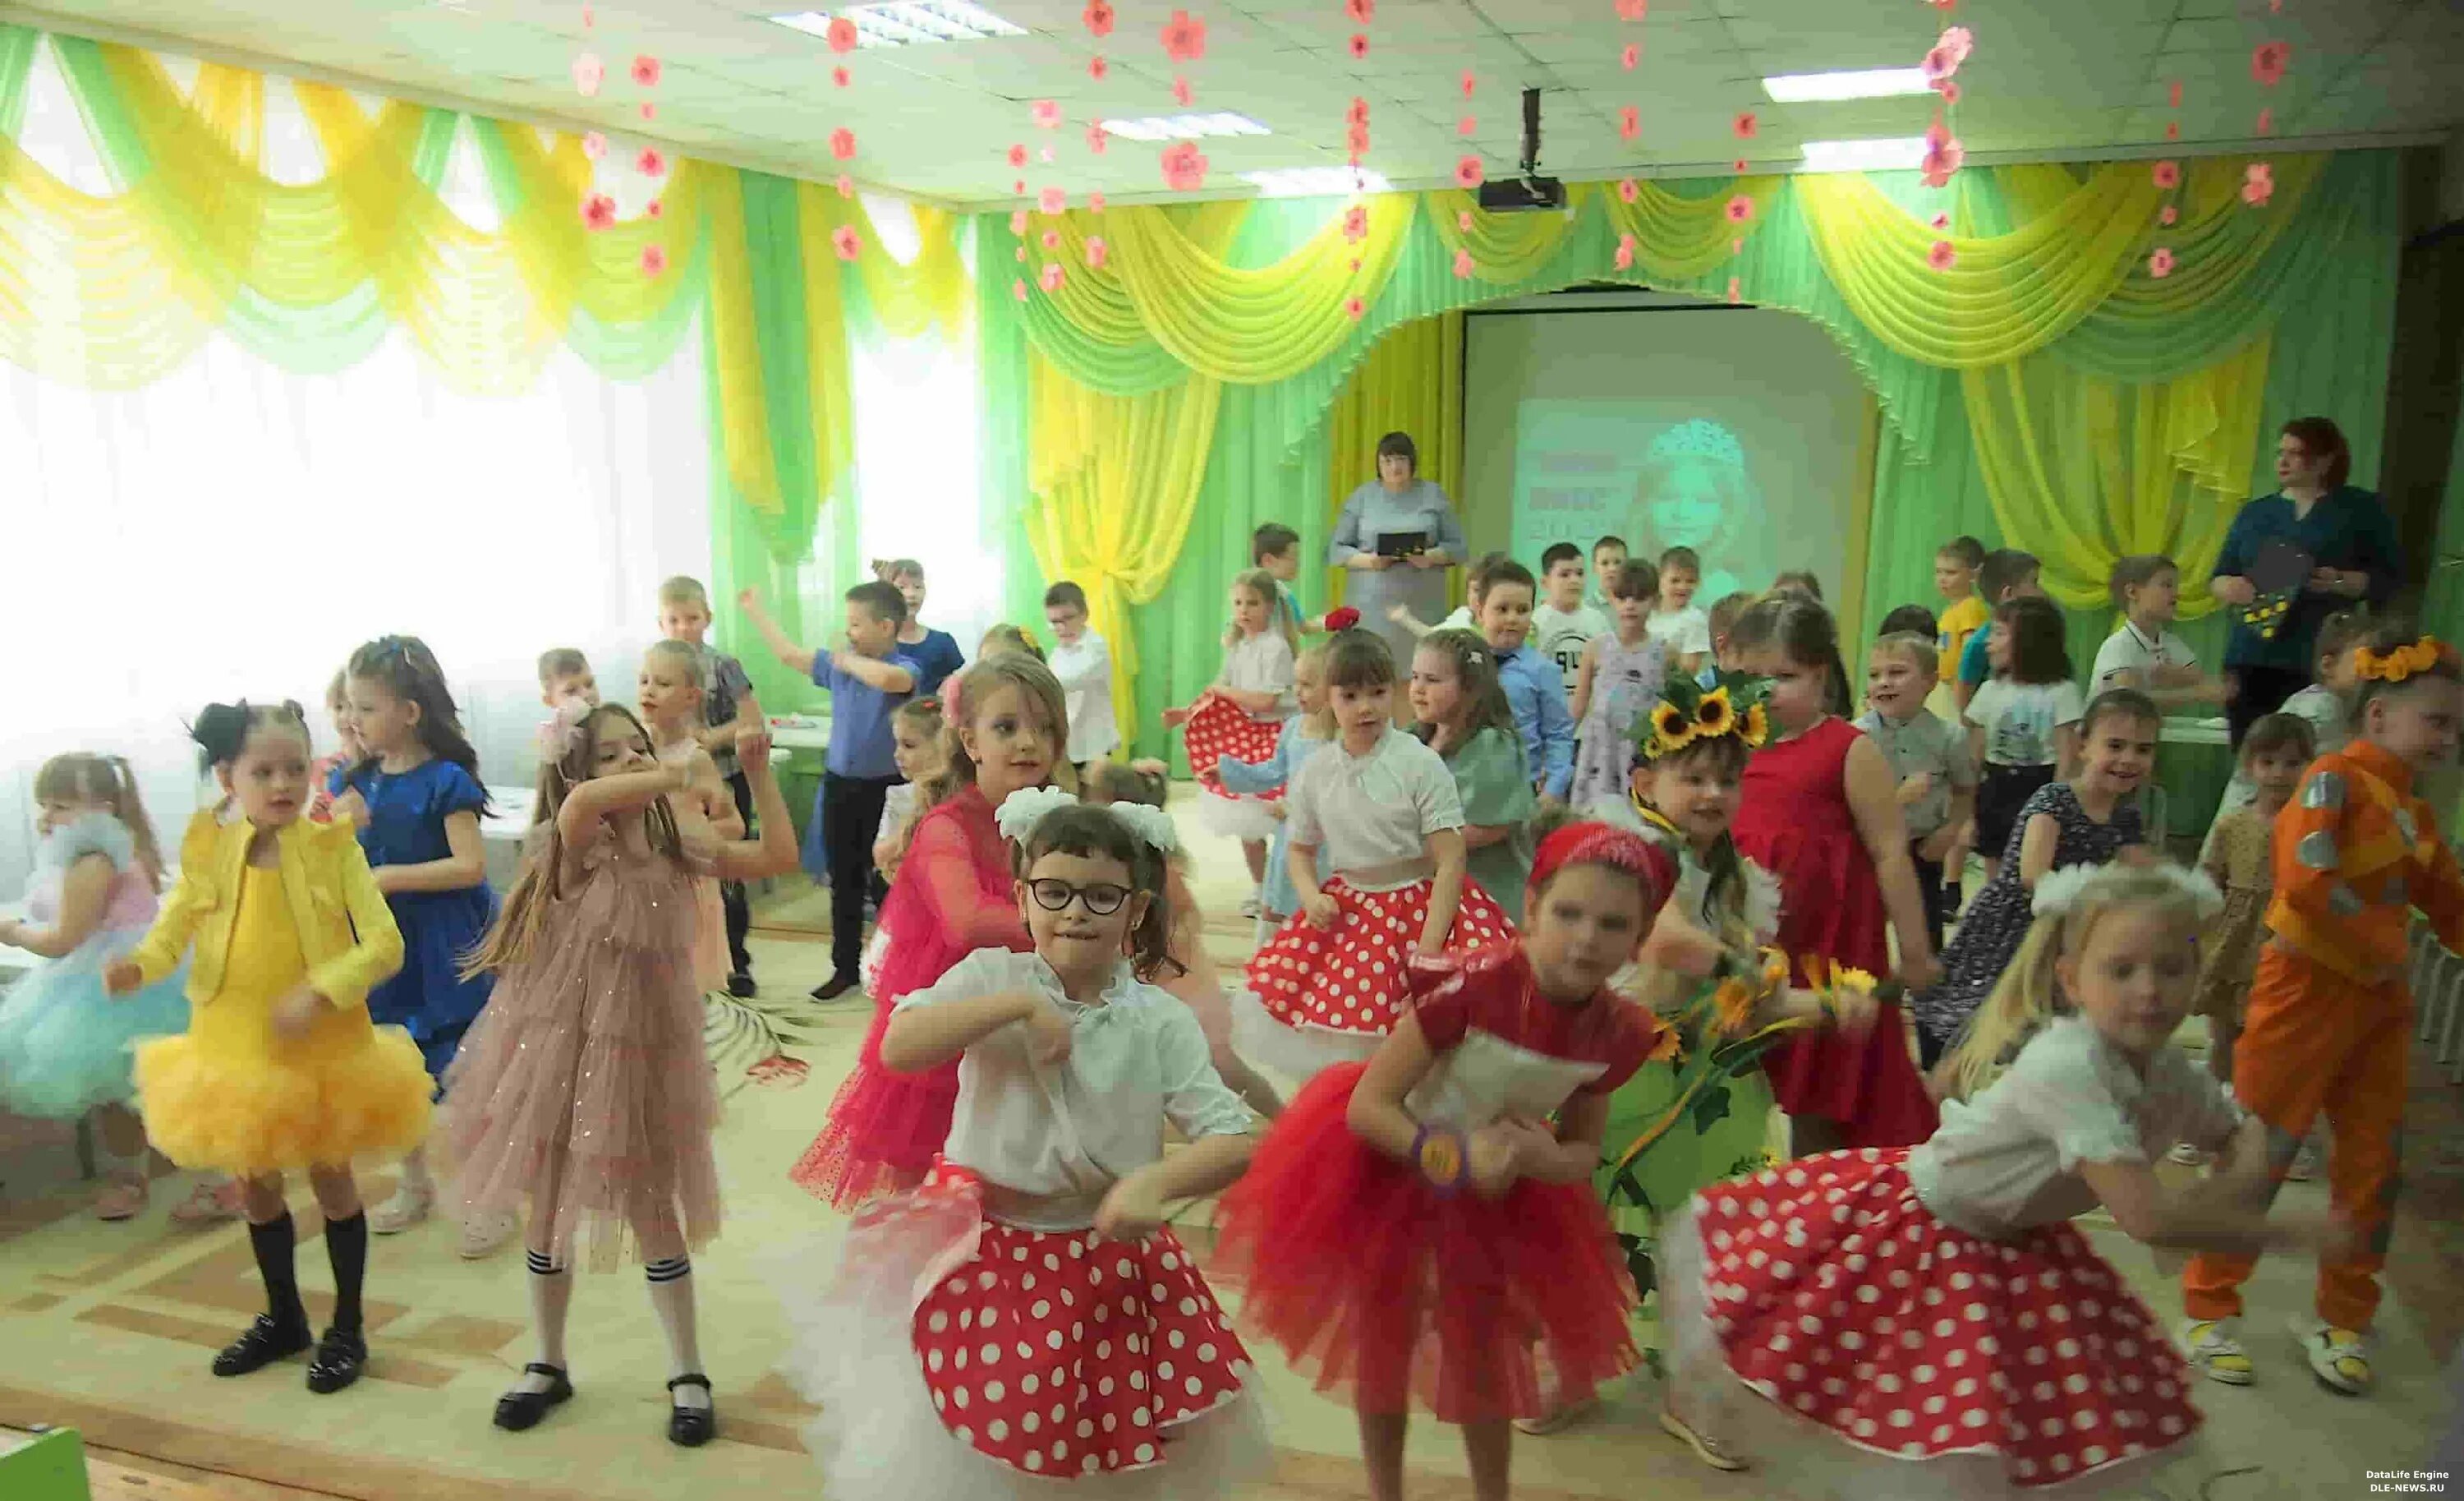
[2315, 1041]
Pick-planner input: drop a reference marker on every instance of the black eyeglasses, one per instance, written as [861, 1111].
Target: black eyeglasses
[1101, 898]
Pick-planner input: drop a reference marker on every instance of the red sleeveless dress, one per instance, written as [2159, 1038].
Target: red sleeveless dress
[1795, 822]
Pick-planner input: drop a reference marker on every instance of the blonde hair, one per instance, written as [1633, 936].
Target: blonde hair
[683, 590]
[692, 658]
[516, 928]
[965, 694]
[924, 715]
[1918, 650]
[1262, 583]
[2028, 993]
[1321, 725]
[1007, 638]
[84, 776]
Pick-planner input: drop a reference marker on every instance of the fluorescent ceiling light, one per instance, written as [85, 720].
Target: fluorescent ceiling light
[1881, 154]
[1863, 83]
[1316, 181]
[906, 23]
[1184, 127]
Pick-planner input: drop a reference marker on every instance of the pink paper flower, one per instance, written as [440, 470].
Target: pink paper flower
[1181, 89]
[1463, 265]
[841, 34]
[1940, 221]
[1094, 203]
[1739, 163]
[1736, 247]
[1051, 239]
[597, 211]
[648, 110]
[1044, 113]
[1463, 220]
[1736, 292]
[1947, 88]
[1957, 42]
[1628, 190]
[1358, 45]
[1097, 251]
[588, 73]
[845, 185]
[1184, 37]
[847, 242]
[1044, 154]
[1741, 209]
[2173, 94]
[2167, 175]
[1361, 12]
[1943, 155]
[1018, 185]
[842, 144]
[1185, 168]
[1744, 126]
[1937, 66]
[1468, 125]
[1098, 16]
[1355, 223]
[589, 18]
[1052, 200]
[2266, 62]
[2257, 183]
[1097, 139]
[646, 71]
[594, 146]
[1018, 255]
[2160, 262]
[1357, 113]
[1629, 123]
[2172, 130]
[2167, 214]
[1356, 263]
[839, 76]
[1017, 156]
[1470, 82]
[1017, 290]
[1018, 221]
[1633, 9]
[2266, 121]
[1630, 56]
[1356, 139]
[1625, 253]
[656, 208]
[1353, 308]
[1097, 68]
[655, 259]
[649, 164]
[1941, 255]
[1469, 172]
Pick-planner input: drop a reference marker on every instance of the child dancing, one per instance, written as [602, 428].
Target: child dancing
[1932, 1308]
[1026, 1322]
[64, 1042]
[1240, 715]
[280, 1070]
[584, 1091]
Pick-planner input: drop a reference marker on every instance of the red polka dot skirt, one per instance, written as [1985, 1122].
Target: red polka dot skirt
[1836, 1294]
[1219, 728]
[1061, 1354]
[1351, 978]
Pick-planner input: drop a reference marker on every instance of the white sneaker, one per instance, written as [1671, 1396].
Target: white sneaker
[483, 1235]
[1250, 905]
[2339, 1358]
[2214, 1347]
[2305, 1161]
[2187, 1155]
[408, 1206]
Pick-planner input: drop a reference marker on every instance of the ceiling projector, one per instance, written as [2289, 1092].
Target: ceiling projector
[1528, 190]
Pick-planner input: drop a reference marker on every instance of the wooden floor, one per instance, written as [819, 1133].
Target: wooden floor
[133, 1477]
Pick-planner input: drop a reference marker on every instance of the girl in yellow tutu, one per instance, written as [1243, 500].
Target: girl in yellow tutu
[280, 1070]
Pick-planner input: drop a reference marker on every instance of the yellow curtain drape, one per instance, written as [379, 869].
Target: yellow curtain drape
[1112, 483]
[1410, 382]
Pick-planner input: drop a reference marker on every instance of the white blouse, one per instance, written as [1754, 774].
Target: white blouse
[2007, 1161]
[1261, 664]
[1360, 812]
[1084, 668]
[1069, 1131]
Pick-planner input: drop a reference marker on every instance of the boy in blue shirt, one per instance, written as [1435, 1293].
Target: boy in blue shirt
[1535, 689]
[867, 679]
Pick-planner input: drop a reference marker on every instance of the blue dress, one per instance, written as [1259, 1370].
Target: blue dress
[1293, 745]
[64, 1045]
[405, 825]
[937, 656]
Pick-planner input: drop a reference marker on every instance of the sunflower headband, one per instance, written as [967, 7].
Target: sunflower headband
[1687, 712]
[2402, 662]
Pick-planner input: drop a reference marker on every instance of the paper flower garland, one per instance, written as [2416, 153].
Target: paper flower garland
[1355, 223]
[1098, 18]
[655, 259]
[843, 144]
[1097, 251]
[2266, 62]
[1942, 154]
[597, 211]
[1462, 264]
[1185, 168]
[1184, 37]
[1052, 200]
[1745, 125]
[1094, 203]
[846, 241]
[594, 146]
[646, 71]
[650, 163]
[2160, 262]
[1625, 253]
[1050, 278]
[2257, 183]
[1942, 257]
[1469, 172]
[1630, 56]
[1017, 155]
[588, 73]
[1353, 308]
[2167, 175]
[1741, 209]
[840, 35]
[1046, 113]
[1629, 123]
[1627, 189]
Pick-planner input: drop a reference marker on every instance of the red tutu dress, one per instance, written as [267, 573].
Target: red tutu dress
[1219, 727]
[1795, 822]
[953, 896]
[1320, 996]
[1930, 1312]
[978, 1338]
[1374, 1281]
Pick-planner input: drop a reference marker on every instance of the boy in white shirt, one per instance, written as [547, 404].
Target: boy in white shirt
[1084, 665]
[1563, 625]
[1677, 625]
[2145, 653]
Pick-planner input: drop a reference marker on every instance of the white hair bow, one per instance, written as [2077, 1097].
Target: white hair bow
[2058, 891]
[1153, 825]
[1021, 810]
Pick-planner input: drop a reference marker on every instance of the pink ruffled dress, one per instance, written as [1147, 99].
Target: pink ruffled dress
[583, 1088]
[952, 896]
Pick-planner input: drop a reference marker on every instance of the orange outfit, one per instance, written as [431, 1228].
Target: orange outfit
[2330, 1015]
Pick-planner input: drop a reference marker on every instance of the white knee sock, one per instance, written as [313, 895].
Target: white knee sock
[671, 1297]
[551, 1296]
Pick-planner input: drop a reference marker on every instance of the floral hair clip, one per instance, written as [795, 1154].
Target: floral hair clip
[2059, 892]
[1688, 711]
[560, 734]
[950, 697]
[2402, 662]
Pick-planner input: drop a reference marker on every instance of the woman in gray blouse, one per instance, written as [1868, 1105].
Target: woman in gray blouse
[1396, 505]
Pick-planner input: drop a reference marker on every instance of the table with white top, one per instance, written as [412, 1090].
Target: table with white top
[2196, 732]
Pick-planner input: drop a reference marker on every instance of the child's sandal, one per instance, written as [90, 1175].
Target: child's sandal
[1707, 1449]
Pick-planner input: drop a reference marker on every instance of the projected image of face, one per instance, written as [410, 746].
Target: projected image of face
[1693, 491]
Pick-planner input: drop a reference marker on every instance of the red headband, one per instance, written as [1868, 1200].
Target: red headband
[1605, 844]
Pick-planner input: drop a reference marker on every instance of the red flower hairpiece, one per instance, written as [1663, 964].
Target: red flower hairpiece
[1343, 619]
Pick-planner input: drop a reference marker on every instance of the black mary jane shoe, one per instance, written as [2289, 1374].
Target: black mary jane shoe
[267, 1340]
[340, 1356]
[691, 1428]
[519, 1410]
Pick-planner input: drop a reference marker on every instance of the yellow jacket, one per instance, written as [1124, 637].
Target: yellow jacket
[347, 930]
